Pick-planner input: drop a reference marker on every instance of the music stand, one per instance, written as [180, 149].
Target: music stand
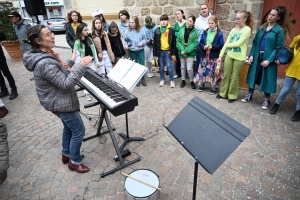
[208, 135]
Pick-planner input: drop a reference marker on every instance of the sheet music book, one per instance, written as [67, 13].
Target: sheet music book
[127, 73]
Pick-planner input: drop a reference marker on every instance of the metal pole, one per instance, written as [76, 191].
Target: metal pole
[195, 180]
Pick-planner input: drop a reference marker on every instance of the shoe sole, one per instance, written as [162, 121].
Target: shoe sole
[244, 101]
[265, 108]
[71, 169]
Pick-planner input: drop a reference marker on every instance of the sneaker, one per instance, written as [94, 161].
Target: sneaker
[200, 88]
[213, 91]
[182, 84]
[150, 74]
[220, 97]
[172, 84]
[32, 78]
[274, 109]
[265, 105]
[161, 83]
[247, 98]
[296, 116]
[88, 97]
[13, 95]
[4, 94]
[231, 100]
[193, 86]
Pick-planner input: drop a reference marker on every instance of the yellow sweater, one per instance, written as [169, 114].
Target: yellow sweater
[164, 39]
[293, 70]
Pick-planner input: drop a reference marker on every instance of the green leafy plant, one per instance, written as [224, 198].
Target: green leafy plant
[5, 24]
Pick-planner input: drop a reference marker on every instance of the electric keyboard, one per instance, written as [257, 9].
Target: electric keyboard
[117, 99]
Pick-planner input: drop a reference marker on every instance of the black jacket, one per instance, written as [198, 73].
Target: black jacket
[116, 46]
[156, 41]
[70, 35]
[2, 38]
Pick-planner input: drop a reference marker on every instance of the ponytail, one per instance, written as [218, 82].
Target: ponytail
[248, 15]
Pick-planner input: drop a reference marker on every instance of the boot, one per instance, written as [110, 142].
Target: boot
[182, 84]
[3, 111]
[65, 159]
[13, 95]
[78, 168]
[144, 82]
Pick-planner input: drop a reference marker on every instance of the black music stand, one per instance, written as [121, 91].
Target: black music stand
[208, 135]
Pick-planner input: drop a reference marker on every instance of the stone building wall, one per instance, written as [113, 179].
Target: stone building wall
[225, 10]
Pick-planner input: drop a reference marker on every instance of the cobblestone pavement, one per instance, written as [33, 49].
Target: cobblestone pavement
[265, 166]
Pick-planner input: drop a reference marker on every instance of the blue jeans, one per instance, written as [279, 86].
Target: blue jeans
[164, 57]
[287, 86]
[72, 136]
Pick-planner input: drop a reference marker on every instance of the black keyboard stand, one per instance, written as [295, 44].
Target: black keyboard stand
[102, 116]
[126, 137]
[115, 143]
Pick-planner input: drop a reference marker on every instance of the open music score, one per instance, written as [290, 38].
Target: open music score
[127, 73]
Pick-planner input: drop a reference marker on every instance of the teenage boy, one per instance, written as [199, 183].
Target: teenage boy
[164, 45]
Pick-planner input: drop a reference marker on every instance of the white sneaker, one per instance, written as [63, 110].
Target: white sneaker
[176, 76]
[172, 84]
[150, 75]
[161, 83]
[88, 97]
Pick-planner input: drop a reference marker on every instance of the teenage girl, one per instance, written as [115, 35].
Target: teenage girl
[186, 43]
[84, 46]
[102, 44]
[210, 45]
[263, 69]
[135, 39]
[236, 46]
[114, 36]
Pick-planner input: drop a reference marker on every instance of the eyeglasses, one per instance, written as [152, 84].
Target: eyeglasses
[50, 34]
[85, 30]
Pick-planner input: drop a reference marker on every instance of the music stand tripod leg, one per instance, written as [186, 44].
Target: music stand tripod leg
[126, 137]
[195, 180]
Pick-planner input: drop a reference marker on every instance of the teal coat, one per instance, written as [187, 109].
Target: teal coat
[191, 48]
[274, 40]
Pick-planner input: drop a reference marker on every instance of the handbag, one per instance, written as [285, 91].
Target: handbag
[284, 55]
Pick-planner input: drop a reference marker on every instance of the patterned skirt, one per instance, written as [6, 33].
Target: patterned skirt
[206, 71]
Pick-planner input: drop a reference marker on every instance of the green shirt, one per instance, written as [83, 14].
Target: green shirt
[237, 43]
[177, 27]
[210, 36]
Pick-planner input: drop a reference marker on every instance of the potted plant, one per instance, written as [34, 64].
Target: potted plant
[11, 43]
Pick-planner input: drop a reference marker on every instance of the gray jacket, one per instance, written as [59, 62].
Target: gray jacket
[55, 86]
[21, 30]
[4, 155]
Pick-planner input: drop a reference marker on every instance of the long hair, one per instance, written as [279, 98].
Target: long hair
[284, 21]
[114, 25]
[137, 24]
[70, 18]
[248, 15]
[183, 16]
[33, 34]
[94, 31]
[79, 29]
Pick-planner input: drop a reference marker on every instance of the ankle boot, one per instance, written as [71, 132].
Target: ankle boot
[65, 159]
[81, 168]
[3, 111]
[182, 83]
[13, 95]
[144, 82]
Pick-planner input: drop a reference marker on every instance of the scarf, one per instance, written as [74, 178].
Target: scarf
[74, 26]
[151, 26]
[163, 29]
[58, 58]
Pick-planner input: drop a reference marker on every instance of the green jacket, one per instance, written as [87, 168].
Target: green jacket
[191, 48]
[81, 51]
[274, 40]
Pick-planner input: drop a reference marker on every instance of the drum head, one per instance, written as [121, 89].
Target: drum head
[284, 55]
[138, 189]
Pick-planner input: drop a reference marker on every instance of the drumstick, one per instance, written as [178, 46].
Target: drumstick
[141, 181]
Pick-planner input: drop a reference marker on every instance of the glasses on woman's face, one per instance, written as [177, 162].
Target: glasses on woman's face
[50, 34]
[85, 29]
